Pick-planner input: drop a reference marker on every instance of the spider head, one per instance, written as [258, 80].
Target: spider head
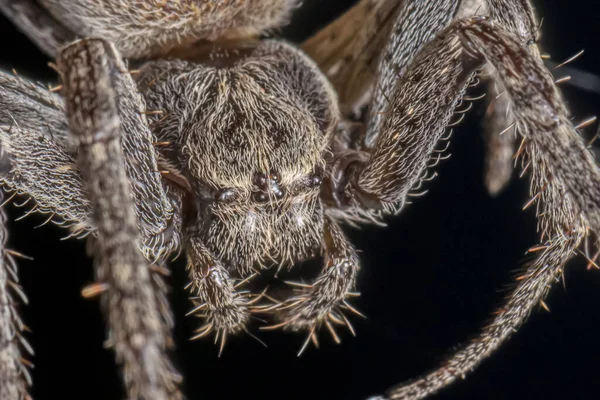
[258, 162]
[252, 137]
[264, 206]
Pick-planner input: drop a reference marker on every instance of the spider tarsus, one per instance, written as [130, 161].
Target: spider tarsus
[222, 320]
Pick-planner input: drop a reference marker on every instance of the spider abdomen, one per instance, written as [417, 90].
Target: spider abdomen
[147, 27]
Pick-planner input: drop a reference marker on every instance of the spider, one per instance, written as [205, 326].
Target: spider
[238, 152]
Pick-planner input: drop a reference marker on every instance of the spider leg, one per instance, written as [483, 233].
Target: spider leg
[419, 112]
[347, 57]
[33, 107]
[35, 149]
[159, 218]
[325, 300]
[417, 22]
[14, 377]
[40, 155]
[565, 186]
[499, 136]
[224, 309]
[133, 303]
[35, 22]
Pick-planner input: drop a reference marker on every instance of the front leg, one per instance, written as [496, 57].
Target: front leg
[14, 374]
[499, 127]
[324, 302]
[417, 22]
[418, 114]
[422, 80]
[565, 178]
[39, 155]
[138, 322]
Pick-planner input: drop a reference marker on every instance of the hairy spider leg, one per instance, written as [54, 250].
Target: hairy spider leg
[138, 316]
[14, 374]
[564, 187]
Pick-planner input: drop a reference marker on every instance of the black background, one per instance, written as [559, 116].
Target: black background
[428, 282]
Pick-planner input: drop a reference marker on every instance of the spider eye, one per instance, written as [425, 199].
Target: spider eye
[225, 195]
[315, 178]
[260, 180]
[274, 176]
[277, 191]
[314, 181]
[260, 197]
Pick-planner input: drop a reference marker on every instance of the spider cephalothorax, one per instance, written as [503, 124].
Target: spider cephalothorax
[251, 140]
[249, 137]
[246, 154]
